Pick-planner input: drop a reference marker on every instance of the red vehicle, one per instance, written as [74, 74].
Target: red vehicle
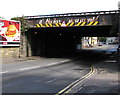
[9, 33]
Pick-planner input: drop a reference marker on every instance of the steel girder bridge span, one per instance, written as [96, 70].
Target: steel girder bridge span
[61, 32]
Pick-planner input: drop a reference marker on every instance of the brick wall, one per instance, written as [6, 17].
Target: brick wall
[9, 52]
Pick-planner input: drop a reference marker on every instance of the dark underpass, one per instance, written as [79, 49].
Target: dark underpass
[63, 40]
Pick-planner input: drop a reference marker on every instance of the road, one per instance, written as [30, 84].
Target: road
[49, 79]
[55, 75]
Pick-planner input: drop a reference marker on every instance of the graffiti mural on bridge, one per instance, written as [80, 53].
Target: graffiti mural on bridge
[66, 22]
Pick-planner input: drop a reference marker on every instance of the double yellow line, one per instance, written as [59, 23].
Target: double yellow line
[75, 83]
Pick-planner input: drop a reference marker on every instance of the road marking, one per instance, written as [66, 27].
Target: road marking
[80, 81]
[3, 72]
[65, 60]
[29, 68]
[52, 64]
[80, 88]
[111, 61]
[75, 83]
[50, 81]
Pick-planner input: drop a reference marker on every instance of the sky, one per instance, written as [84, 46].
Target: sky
[16, 8]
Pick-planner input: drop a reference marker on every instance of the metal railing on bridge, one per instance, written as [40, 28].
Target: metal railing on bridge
[73, 14]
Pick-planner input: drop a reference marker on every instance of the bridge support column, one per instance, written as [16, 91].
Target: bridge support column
[28, 44]
[79, 43]
[23, 45]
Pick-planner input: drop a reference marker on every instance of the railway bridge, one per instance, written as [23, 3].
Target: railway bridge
[61, 32]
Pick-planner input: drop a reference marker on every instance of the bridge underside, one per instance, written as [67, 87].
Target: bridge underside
[84, 31]
[52, 40]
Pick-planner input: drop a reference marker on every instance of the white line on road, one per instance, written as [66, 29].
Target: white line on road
[113, 61]
[50, 81]
[30, 68]
[52, 64]
[65, 60]
[3, 72]
[75, 83]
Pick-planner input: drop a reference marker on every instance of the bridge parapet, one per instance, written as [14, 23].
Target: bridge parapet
[99, 18]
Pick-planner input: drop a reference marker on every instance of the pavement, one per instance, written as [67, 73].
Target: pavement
[11, 65]
[8, 60]
[104, 81]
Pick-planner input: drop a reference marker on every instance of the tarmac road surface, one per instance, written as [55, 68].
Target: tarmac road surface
[49, 79]
[91, 72]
